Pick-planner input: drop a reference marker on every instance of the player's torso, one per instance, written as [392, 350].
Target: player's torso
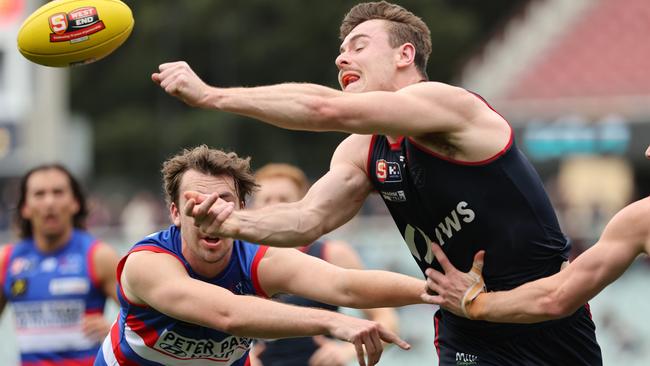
[146, 336]
[498, 205]
[50, 294]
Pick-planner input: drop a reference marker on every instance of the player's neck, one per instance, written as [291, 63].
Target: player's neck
[51, 243]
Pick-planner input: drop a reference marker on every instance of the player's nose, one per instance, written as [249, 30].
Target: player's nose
[342, 60]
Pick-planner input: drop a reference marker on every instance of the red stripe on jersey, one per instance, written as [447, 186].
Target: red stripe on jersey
[90, 263]
[436, 339]
[148, 334]
[256, 261]
[120, 268]
[370, 148]
[5, 264]
[462, 162]
[86, 361]
[115, 346]
[397, 144]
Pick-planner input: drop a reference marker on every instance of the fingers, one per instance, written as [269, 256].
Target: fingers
[225, 212]
[320, 340]
[442, 258]
[201, 211]
[194, 195]
[390, 337]
[358, 347]
[477, 265]
[373, 347]
[432, 299]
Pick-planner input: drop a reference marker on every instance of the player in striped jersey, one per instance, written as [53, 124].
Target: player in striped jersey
[58, 276]
[185, 296]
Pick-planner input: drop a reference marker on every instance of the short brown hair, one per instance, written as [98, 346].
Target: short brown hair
[280, 170]
[207, 161]
[25, 229]
[405, 27]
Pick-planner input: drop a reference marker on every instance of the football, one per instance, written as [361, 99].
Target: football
[74, 32]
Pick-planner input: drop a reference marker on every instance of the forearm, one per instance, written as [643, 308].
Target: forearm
[296, 106]
[285, 225]
[258, 319]
[372, 289]
[522, 305]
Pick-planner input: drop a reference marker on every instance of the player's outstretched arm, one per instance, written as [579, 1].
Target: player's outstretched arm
[161, 281]
[290, 271]
[415, 110]
[332, 201]
[557, 296]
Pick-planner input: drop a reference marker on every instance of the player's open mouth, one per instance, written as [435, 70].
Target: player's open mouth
[211, 241]
[349, 79]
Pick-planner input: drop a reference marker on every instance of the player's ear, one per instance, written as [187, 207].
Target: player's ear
[406, 55]
[175, 214]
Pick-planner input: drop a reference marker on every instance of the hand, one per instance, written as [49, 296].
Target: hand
[209, 213]
[454, 290]
[95, 327]
[331, 352]
[179, 80]
[365, 334]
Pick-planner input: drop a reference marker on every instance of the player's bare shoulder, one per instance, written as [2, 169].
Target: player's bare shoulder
[353, 150]
[631, 225]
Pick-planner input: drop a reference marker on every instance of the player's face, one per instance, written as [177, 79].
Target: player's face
[197, 247]
[647, 152]
[367, 62]
[50, 204]
[276, 190]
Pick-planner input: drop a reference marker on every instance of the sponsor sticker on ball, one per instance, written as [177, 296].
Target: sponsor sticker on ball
[76, 25]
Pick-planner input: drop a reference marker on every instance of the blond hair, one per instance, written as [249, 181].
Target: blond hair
[281, 170]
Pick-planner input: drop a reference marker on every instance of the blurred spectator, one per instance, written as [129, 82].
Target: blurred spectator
[140, 216]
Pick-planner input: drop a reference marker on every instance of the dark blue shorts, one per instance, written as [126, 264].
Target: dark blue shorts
[568, 341]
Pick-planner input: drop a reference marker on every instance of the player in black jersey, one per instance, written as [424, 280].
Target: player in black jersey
[282, 183]
[444, 162]
[625, 237]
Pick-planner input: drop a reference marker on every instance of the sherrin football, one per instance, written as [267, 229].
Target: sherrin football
[74, 32]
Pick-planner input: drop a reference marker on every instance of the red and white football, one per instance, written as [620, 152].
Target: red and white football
[74, 32]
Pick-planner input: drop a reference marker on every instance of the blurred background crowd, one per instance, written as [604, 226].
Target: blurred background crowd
[571, 76]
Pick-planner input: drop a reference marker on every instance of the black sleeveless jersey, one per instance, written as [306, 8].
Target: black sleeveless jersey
[295, 351]
[498, 205]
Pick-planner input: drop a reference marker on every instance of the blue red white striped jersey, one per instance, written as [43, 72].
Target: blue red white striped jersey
[50, 293]
[142, 335]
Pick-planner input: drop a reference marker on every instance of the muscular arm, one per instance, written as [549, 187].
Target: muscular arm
[411, 111]
[332, 200]
[624, 238]
[161, 281]
[343, 255]
[284, 271]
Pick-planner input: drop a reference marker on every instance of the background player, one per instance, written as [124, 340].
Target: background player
[183, 293]
[444, 162]
[282, 183]
[58, 276]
